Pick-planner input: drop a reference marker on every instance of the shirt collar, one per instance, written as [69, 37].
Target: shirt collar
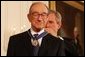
[33, 32]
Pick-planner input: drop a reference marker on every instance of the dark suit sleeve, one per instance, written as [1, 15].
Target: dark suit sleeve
[11, 46]
[61, 50]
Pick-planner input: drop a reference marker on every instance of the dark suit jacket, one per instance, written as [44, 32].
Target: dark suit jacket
[20, 45]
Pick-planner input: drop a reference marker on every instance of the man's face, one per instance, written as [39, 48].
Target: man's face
[38, 16]
[52, 25]
[75, 32]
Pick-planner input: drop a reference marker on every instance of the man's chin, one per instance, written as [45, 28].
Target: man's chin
[39, 28]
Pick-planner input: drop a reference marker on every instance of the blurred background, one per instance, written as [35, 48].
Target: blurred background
[14, 19]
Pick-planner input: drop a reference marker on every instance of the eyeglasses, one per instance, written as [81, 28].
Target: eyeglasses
[37, 15]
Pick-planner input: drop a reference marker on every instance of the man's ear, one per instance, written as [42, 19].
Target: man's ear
[59, 24]
[28, 16]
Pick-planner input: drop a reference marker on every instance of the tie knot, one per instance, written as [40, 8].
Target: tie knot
[35, 36]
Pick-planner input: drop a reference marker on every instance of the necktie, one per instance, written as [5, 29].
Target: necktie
[36, 45]
[35, 36]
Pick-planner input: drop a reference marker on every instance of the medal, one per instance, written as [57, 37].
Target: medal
[35, 42]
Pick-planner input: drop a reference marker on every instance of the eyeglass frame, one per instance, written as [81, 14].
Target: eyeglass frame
[43, 15]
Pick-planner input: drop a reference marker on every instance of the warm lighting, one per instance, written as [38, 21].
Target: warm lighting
[24, 26]
[14, 29]
[82, 1]
[21, 28]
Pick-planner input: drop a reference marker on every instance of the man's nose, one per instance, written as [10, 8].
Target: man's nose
[47, 25]
[40, 18]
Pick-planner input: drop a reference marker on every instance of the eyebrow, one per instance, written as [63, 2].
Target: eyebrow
[41, 13]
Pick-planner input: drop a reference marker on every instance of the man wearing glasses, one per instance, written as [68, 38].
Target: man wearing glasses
[36, 41]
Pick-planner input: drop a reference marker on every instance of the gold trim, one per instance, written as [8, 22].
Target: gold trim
[75, 4]
[52, 5]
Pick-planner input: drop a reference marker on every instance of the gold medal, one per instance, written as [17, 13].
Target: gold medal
[35, 42]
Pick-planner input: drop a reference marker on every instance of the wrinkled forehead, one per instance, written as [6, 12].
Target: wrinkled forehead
[40, 8]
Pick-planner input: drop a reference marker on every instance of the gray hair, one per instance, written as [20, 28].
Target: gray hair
[57, 14]
[35, 4]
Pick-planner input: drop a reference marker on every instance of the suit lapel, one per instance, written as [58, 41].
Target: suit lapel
[45, 45]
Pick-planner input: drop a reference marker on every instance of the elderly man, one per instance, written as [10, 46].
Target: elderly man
[36, 41]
